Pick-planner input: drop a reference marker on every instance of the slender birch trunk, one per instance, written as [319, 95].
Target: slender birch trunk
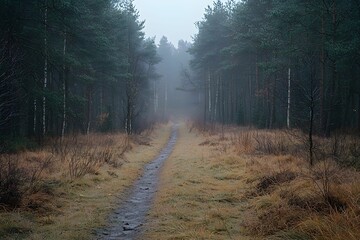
[250, 99]
[45, 69]
[154, 86]
[216, 99]
[166, 99]
[289, 99]
[209, 95]
[322, 75]
[205, 101]
[89, 110]
[156, 100]
[101, 100]
[35, 110]
[64, 88]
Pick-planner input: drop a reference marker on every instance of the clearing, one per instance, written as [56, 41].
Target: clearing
[227, 183]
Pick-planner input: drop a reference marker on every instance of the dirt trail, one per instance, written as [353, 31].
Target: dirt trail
[126, 221]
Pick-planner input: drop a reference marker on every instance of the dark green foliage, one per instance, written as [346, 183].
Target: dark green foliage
[243, 52]
[15, 144]
[66, 64]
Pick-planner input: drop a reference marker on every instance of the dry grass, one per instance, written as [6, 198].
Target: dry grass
[294, 201]
[231, 184]
[200, 193]
[67, 201]
[253, 184]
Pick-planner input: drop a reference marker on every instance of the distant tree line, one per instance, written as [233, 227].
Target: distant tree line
[73, 66]
[173, 92]
[277, 63]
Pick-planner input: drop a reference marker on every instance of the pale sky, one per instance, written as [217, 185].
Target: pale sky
[174, 19]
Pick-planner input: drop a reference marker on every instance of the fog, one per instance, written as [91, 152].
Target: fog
[174, 19]
[170, 22]
[87, 67]
[175, 97]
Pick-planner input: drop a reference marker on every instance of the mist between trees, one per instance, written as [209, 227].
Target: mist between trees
[80, 66]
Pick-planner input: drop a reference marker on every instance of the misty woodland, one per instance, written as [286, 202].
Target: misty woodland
[259, 117]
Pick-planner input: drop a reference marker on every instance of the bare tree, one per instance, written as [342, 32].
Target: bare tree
[308, 102]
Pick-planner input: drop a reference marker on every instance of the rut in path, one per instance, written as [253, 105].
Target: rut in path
[126, 221]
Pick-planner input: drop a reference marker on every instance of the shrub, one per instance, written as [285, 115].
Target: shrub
[11, 181]
[243, 142]
[272, 143]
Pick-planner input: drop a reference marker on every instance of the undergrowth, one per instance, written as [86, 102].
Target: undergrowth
[287, 198]
[25, 174]
[69, 186]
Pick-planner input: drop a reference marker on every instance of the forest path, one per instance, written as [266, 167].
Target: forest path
[126, 221]
[202, 190]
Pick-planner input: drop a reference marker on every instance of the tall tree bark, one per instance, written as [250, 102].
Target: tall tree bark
[311, 126]
[89, 108]
[322, 74]
[45, 68]
[166, 99]
[64, 86]
[333, 83]
[35, 119]
[155, 98]
[288, 99]
[209, 94]
[129, 115]
[216, 99]
[205, 99]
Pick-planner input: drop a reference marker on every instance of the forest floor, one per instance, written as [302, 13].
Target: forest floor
[227, 183]
[64, 204]
[239, 183]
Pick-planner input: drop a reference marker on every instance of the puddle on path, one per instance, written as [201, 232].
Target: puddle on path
[126, 221]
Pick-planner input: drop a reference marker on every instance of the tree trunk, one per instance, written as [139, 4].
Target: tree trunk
[64, 87]
[209, 94]
[89, 108]
[216, 99]
[250, 99]
[329, 121]
[35, 119]
[358, 112]
[165, 100]
[205, 101]
[45, 69]
[155, 98]
[288, 100]
[101, 100]
[128, 122]
[272, 106]
[311, 145]
[322, 75]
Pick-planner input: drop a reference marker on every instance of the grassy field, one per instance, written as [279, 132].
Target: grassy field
[231, 183]
[76, 184]
[250, 184]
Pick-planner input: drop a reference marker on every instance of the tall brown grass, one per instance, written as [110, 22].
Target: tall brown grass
[302, 201]
[286, 197]
[24, 173]
[70, 186]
